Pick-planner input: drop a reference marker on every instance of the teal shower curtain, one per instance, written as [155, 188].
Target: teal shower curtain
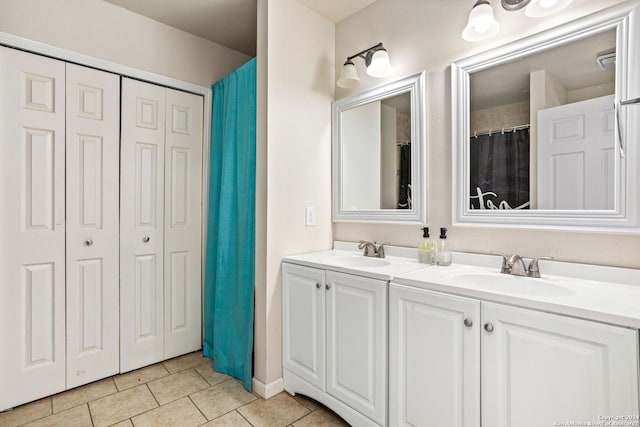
[230, 254]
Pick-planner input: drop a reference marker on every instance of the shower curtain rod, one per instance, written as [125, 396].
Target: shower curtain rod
[501, 130]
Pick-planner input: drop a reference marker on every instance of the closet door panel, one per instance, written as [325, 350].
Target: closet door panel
[93, 121]
[32, 228]
[141, 224]
[183, 231]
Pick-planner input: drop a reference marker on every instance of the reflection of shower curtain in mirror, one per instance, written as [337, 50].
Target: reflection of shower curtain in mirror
[499, 170]
[404, 192]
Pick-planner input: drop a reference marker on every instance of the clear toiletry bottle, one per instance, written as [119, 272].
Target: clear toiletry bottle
[443, 253]
[426, 248]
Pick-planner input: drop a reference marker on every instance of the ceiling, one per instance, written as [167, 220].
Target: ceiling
[336, 10]
[573, 65]
[231, 23]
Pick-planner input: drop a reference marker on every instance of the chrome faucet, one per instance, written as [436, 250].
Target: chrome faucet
[371, 249]
[514, 265]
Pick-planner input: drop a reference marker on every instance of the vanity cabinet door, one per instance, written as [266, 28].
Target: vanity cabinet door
[303, 301]
[540, 369]
[434, 353]
[356, 343]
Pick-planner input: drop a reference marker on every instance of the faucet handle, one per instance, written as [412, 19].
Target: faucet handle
[369, 248]
[380, 249]
[505, 268]
[363, 243]
[534, 269]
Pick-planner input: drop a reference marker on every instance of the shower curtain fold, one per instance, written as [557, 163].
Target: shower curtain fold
[230, 252]
[499, 170]
[404, 192]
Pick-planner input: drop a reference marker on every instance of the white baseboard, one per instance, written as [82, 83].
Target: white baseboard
[267, 390]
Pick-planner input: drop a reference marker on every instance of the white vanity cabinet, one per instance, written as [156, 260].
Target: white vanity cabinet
[535, 368]
[434, 354]
[540, 368]
[335, 340]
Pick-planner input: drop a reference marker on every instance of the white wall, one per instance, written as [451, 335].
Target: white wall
[425, 35]
[111, 33]
[389, 162]
[546, 92]
[361, 156]
[296, 87]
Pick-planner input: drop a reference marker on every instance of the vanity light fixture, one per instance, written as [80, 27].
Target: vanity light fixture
[375, 58]
[540, 8]
[482, 25]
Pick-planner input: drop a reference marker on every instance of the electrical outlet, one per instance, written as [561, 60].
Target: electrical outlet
[310, 216]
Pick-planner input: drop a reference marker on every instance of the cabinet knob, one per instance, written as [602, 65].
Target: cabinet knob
[317, 285]
[88, 242]
[146, 239]
[327, 286]
[488, 327]
[468, 322]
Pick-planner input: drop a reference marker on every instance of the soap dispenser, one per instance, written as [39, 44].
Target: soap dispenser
[426, 248]
[443, 253]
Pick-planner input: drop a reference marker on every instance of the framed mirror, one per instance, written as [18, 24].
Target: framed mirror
[379, 154]
[540, 138]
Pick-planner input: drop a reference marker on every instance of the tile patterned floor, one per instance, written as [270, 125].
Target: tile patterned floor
[180, 392]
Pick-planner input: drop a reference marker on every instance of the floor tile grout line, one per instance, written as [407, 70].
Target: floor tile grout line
[82, 403]
[146, 382]
[90, 414]
[245, 418]
[307, 414]
[198, 408]
[152, 395]
[148, 410]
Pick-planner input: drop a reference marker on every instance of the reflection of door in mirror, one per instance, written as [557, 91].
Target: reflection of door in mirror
[506, 102]
[376, 155]
[576, 155]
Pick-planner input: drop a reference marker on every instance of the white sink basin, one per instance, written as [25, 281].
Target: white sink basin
[359, 261]
[516, 285]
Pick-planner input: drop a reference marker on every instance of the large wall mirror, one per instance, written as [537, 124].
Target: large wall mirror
[540, 136]
[379, 154]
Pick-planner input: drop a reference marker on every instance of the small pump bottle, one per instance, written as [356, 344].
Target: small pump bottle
[443, 253]
[426, 248]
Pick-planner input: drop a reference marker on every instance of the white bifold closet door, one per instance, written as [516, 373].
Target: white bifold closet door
[32, 227]
[183, 224]
[93, 122]
[160, 220]
[41, 315]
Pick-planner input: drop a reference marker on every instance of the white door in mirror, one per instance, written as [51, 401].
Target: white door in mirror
[576, 155]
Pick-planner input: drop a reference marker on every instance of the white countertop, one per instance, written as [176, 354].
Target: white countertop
[608, 302]
[328, 260]
[605, 294]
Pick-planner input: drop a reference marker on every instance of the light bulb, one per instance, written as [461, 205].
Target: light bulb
[379, 65]
[540, 8]
[548, 3]
[482, 26]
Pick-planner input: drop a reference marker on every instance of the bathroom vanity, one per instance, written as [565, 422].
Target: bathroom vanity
[394, 342]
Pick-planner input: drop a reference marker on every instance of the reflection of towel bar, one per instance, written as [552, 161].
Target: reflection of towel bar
[630, 101]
